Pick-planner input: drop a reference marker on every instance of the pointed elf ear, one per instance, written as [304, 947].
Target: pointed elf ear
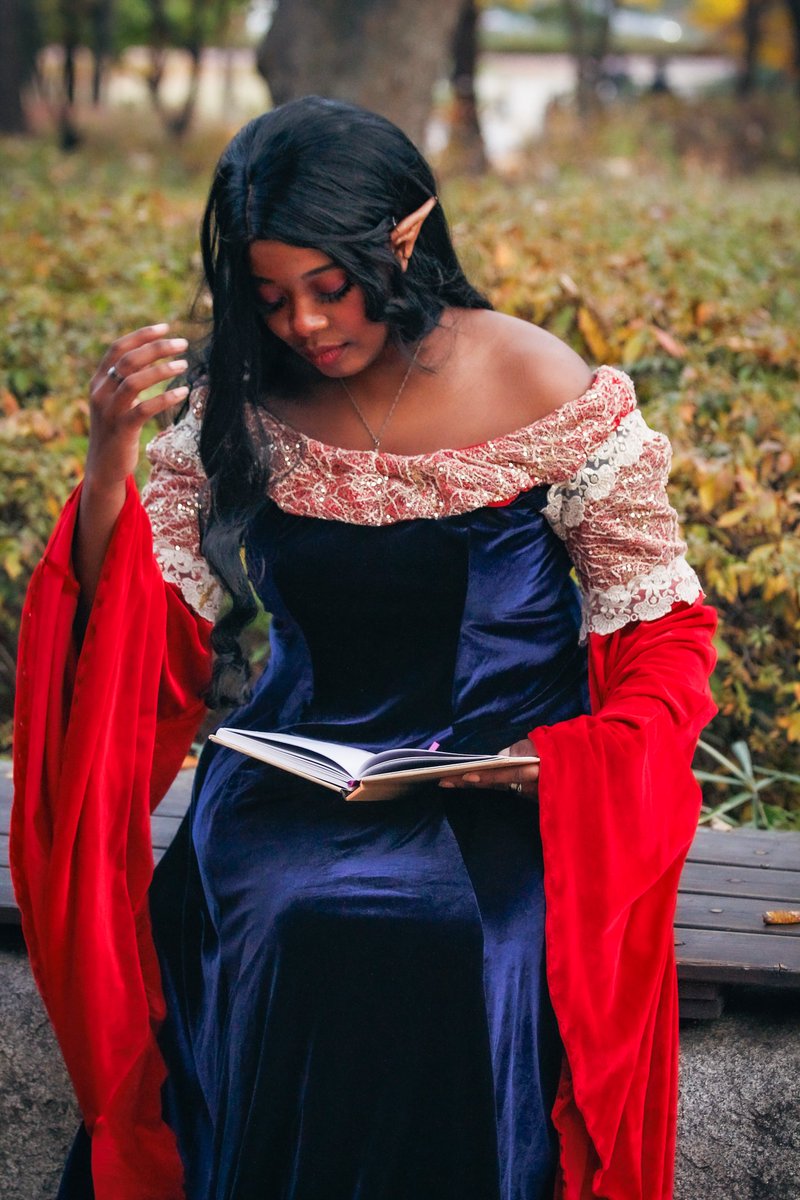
[404, 235]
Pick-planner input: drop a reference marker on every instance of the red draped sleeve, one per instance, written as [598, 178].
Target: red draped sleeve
[618, 811]
[99, 737]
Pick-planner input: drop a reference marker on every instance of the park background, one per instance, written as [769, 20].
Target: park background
[626, 176]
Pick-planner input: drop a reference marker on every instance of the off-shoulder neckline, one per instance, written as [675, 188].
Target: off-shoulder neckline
[538, 427]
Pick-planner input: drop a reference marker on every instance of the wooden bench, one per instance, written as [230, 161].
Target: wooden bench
[721, 941]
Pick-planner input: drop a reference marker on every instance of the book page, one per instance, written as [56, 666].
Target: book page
[351, 759]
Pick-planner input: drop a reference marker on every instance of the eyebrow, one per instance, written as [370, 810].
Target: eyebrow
[305, 275]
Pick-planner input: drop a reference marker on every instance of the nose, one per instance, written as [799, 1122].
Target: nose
[306, 319]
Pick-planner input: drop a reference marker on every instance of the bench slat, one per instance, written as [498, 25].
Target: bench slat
[780, 888]
[174, 804]
[731, 913]
[742, 958]
[750, 847]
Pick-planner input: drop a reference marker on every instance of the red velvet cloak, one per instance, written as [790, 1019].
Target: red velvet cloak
[98, 742]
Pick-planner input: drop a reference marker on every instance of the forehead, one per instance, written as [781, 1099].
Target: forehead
[282, 263]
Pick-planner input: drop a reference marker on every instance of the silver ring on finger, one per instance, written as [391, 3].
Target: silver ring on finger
[515, 787]
[114, 374]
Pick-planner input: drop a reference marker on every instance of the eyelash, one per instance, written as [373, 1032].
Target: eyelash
[267, 309]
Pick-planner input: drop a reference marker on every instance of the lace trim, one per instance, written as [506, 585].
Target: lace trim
[364, 487]
[607, 498]
[171, 499]
[566, 502]
[643, 598]
[621, 532]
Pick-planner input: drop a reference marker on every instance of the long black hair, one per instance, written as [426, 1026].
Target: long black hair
[335, 178]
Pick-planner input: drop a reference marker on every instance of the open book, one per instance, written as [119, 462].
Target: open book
[359, 774]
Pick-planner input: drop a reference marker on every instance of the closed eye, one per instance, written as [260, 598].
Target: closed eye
[268, 307]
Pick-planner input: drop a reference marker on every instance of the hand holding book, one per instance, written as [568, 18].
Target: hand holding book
[361, 774]
[521, 775]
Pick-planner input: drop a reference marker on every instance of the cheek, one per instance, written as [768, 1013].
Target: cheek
[351, 313]
[278, 326]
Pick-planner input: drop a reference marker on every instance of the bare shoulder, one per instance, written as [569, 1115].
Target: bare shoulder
[527, 370]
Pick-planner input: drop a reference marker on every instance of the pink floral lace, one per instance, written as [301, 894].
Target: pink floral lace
[607, 497]
[171, 498]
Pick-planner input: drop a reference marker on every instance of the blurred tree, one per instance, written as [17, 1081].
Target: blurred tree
[761, 33]
[106, 27]
[20, 35]
[465, 152]
[589, 26]
[189, 26]
[101, 18]
[384, 54]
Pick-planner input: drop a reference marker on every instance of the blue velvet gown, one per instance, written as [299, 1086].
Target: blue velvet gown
[356, 992]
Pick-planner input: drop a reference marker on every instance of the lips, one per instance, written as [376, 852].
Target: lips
[325, 356]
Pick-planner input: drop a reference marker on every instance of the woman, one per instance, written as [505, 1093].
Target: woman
[354, 1000]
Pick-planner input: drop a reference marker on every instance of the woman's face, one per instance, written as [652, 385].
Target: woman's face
[310, 304]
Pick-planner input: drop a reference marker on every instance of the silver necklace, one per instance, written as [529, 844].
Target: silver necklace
[376, 437]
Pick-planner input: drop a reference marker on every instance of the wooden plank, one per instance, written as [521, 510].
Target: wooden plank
[692, 989]
[780, 888]
[9, 913]
[174, 804]
[741, 958]
[747, 847]
[700, 1010]
[163, 830]
[732, 913]
[176, 801]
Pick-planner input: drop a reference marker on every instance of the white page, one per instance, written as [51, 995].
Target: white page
[350, 758]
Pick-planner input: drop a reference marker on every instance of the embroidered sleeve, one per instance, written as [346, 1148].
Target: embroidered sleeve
[171, 499]
[621, 532]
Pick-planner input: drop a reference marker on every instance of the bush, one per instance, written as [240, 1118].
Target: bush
[690, 286]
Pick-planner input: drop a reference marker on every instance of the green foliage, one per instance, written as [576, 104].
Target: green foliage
[689, 284]
[750, 785]
[175, 23]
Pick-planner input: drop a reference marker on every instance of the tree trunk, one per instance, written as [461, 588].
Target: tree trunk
[465, 150]
[18, 61]
[589, 34]
[383, 54]
[208, 19]
[752, 32]
[794, 17]
[102, 18]
[69, 137]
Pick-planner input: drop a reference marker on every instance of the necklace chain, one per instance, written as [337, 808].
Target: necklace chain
[376, 437]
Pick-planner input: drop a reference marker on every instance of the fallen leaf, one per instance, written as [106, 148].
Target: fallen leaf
[667, 342]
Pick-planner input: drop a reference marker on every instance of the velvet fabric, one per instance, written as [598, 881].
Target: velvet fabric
[356, 994]
[483, 617]
[618, 811]
[98, 739]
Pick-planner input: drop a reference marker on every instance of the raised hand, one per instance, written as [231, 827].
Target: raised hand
[130, 366]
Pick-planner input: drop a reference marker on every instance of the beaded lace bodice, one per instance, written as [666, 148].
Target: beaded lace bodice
[606, 471]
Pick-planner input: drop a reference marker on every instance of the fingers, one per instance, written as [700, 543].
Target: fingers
[524, 779]
[134, 365]
[128, 387]
[137, 358]
[157, 404]
[132, 353]
[131, 341]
